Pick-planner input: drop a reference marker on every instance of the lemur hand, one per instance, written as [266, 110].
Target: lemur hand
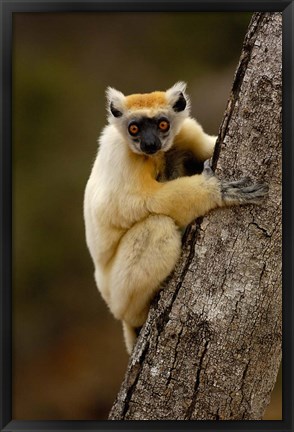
[234, 192]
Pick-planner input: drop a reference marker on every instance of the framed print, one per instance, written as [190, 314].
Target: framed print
[146, 215]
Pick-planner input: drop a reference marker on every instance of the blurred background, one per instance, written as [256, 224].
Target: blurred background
[69, 357]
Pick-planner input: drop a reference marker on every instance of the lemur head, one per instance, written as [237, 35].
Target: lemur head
[150, 121]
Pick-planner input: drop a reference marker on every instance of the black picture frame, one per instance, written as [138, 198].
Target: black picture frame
[7, 8]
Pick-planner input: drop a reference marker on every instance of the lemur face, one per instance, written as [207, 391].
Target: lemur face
[150, 121]
[149, 134]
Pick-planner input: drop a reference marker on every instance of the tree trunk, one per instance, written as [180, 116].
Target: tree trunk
[211, 346]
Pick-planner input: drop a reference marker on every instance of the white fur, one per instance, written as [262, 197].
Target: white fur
[173, 93]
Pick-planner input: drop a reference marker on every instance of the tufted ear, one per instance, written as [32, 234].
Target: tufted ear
[115, 102]
[177, 97]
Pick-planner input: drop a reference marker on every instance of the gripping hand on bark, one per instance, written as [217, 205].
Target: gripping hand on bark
[239, 191]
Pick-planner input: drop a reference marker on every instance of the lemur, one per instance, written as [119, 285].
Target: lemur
[146, 185]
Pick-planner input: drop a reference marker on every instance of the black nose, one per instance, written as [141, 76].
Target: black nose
[151, 147]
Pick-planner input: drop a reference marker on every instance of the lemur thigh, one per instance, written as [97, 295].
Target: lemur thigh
[192, 137]
[145, 257]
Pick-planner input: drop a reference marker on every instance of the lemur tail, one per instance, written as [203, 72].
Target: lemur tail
[130, 336]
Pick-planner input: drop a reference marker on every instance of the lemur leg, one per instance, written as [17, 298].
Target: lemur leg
[145, 256]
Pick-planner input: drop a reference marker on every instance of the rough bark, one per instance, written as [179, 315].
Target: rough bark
[211, 346]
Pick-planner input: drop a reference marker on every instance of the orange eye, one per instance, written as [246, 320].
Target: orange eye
[164, 125]
[133, 129]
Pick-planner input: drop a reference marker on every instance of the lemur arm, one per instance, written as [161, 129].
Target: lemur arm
[192, 137]
[186, 198]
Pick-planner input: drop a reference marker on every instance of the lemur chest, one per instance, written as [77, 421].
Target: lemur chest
[176, 163]
[159, 165]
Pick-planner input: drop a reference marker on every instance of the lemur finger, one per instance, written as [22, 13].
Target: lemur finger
[207, 170]
[238, 183]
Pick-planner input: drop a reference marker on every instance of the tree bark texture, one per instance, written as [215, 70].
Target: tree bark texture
[211, 347]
